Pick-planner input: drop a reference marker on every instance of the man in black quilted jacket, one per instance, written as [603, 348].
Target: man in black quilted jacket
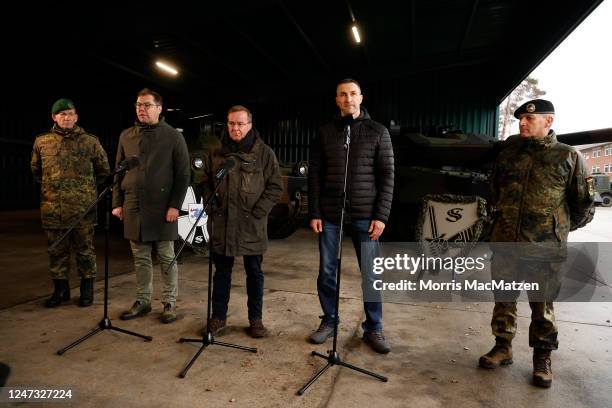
[369, 192]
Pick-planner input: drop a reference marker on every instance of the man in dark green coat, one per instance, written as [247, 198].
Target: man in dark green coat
[69, 163]
[147, 199]
[246, 196]
[540, 191]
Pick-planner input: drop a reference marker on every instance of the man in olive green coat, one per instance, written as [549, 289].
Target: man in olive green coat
[540, 191]
[246, 196]
[69, 163]
[147, 199]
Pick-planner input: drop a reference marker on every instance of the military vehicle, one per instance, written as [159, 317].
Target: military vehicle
[446, 165]
[202, 133]
[603, 187]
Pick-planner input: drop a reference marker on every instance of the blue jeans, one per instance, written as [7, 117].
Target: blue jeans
[222, 283]
[328, 262]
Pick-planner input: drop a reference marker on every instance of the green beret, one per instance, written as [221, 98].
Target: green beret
[535, 106]
[61, 105]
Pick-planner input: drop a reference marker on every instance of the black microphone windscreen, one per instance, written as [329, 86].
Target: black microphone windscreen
[229, 164]
[347, 120]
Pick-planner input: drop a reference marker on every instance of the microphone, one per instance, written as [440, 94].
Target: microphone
[224, 168]
[127, 164]
[347, 121]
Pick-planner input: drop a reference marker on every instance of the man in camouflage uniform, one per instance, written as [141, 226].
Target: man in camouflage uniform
[69, 163]
[541, 191]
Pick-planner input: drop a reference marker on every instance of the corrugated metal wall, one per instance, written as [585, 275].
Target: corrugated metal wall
[288, 124]
[434, 99]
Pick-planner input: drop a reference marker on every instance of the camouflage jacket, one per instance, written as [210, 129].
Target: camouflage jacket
[541, 191]
[68, 166]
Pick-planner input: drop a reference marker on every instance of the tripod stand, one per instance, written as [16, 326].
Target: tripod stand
[208, 338]
[333, 358]
[105, 323]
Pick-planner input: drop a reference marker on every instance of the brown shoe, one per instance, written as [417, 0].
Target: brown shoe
[542, 370]
[169, 313]
[500, 354]
[257, 329]
[217, 327]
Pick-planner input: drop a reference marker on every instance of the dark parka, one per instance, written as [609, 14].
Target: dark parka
[68, 165]
[370, 171]
[246, 196]
[159, 182]
[541, 191]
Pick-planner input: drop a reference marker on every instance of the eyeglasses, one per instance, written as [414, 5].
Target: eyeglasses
[145, 105]
[239, 124]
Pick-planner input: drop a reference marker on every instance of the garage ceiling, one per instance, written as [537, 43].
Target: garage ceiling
[268, 48]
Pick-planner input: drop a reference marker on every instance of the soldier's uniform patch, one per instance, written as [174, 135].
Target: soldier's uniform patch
[589, 181]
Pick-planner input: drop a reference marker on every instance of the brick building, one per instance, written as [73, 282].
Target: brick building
[598, 157]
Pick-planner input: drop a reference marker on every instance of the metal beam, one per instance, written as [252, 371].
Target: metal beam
[468, 26]
[254, 44]
[132, 71]
[209, 54]
[413, 29]
[303, 35]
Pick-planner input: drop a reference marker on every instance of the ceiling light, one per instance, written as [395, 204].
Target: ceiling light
[356, 34]
[167, 68]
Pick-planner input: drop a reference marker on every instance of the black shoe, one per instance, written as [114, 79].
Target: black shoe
[137, 309]
[87, 295]
[61, 293]
[376, 341]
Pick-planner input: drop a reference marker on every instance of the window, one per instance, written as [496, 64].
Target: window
[596, 153]
[606, 168]
[595, 169]
[586, 156]
[608, 150]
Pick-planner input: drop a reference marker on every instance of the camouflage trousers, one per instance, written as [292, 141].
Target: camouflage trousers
[143, 265]
[543, 328]
[81, 241]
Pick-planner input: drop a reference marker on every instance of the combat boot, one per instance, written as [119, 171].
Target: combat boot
[61, 293]
[500, 354]
[87, 295]
[542, 370]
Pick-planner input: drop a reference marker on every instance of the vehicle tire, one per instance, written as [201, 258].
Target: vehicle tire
[606, 200]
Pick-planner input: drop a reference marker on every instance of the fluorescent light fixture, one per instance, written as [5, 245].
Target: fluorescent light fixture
[166, 67]
[201, 116]
[356, 34]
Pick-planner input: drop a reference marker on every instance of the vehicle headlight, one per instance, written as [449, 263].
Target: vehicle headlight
[198, 163]
[303, 170]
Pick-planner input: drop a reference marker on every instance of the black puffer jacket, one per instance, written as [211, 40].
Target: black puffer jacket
[370, 171]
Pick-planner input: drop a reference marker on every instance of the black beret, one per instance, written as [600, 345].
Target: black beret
[535, 106]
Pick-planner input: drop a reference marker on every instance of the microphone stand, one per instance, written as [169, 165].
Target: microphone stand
[333, 358]
[105, 323]
[207, 338]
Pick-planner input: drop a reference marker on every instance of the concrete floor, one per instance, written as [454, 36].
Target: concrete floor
[433, 362]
